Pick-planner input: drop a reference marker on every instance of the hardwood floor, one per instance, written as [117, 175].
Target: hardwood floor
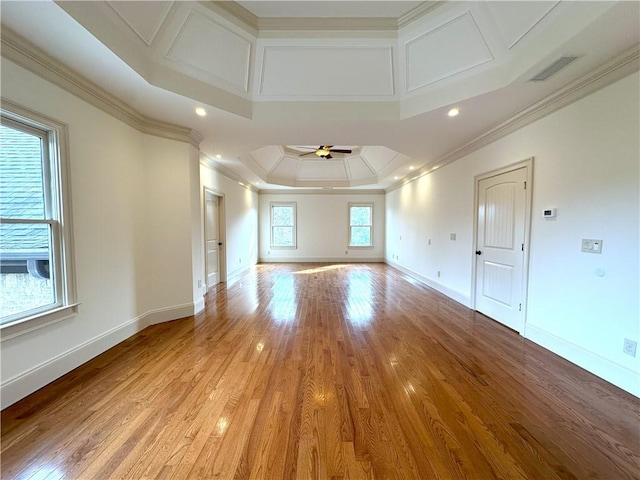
[325, 371]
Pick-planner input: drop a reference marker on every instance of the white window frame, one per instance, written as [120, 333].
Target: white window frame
[370, 206]
[294, 226]
[57, 215]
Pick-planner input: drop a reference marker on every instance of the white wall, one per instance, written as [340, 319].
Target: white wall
[240, 217]
[132, 232]
[322, 228]
[587, 165]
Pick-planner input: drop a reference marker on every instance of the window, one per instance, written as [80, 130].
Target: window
[361, 225]
[35, 244]
[283, 225]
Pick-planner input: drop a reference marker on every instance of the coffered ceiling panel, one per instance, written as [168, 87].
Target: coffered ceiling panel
[286, 169]
[327, 71]
[212, 52]
[144, 18]
[447, 50]
[267, 157]
[516, 19]
[322, 170]
[378, 156]
[357, 168]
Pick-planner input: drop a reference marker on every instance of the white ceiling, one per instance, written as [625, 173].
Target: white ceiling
[376, 74]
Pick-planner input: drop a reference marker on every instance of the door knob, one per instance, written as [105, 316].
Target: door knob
[478, 252]
[219, 244]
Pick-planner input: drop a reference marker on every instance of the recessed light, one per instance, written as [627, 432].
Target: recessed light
[396, 178]
[411, 167]
[218, 155]
[201, 112]
[453, 112]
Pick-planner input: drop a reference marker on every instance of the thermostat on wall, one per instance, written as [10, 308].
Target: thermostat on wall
[549, 213]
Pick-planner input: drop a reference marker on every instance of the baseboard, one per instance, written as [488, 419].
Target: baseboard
[37, 377]
[459, 297]
[604, 368]
[346, 259]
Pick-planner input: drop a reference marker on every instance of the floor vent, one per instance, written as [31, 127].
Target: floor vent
[552, 69]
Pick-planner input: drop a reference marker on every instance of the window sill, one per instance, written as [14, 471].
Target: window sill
[35, 322]
[293, 247]
[360, 247]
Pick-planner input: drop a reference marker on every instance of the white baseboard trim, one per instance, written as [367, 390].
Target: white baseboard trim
[429, 282]
[19, 386]
[604, 368]
[346, 259]
[198, 306]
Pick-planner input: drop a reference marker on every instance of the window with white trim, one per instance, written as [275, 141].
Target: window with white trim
[360, 224]
[36, 278]
[283, 225]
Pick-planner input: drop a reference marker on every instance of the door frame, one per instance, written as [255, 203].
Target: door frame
[222, 234]
[528, 165]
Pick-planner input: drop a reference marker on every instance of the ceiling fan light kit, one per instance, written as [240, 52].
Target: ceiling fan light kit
[324, 151]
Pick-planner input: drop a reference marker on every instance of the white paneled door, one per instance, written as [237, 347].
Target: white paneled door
[212, 233]
[500, 243]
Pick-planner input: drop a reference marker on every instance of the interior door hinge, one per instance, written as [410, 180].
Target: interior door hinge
[519, 307]
[525, 185]
[523, 247]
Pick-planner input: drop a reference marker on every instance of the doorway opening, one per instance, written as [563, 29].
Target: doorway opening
[214, 238]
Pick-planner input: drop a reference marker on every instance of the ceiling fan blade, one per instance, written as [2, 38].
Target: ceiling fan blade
[327, 156]
[306, 148]
[337, 150]
[308, 153]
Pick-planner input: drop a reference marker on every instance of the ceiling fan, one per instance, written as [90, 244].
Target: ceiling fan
[324, 151]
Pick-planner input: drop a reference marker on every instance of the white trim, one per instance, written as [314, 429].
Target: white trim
[371, 230]
[614, 70]
[294, 227]
[527, 164]
[222, 234]
[23, 53]
[459, 297]
[23, 384]
[345, 259]
[610, 371]
[320, 191]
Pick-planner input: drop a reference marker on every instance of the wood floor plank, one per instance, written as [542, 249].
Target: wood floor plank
[336, 371]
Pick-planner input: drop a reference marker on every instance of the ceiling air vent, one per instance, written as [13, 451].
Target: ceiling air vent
[552, 69]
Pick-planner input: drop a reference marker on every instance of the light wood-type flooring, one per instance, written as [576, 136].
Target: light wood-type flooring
[325, 371]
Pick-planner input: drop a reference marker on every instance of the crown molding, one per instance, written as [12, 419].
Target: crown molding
[23, 53]
[417, 13]
[235, 13]
[208, 162]
[328, 24]
[616, 69]
[320, 191]
[255, 25]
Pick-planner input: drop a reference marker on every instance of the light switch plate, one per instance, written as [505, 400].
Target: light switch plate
[590, 245]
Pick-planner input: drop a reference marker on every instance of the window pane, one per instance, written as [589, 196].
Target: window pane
[360, 216]
[282, 216]
[283, 236]
[21, 186]
[361, 236]
[25, 281]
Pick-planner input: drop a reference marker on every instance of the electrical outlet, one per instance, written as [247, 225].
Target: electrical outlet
[240, 260]
[428, 241]
[452, 236]
[438, 273]
[346, 252]
[630, 347]
[199, 283]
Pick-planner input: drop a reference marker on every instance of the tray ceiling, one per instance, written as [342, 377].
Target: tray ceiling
[377, 73]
